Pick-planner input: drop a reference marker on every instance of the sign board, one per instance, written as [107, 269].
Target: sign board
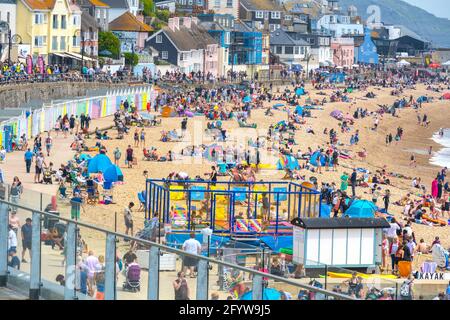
[23, 50]
[432, 275]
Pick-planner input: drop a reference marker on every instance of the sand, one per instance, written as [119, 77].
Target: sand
[394, 157]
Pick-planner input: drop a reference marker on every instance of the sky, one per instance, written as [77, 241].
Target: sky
[440, 8]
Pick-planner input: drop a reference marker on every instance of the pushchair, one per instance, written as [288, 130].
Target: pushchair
[47, 177]
[133, 278]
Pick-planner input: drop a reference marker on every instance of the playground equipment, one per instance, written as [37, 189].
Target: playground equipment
[263, 208]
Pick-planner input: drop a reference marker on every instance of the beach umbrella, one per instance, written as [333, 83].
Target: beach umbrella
[268, 294]
[361, 209]
[446, 96]
[434, 65]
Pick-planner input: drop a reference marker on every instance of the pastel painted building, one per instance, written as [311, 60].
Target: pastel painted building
[343, 51]
[51, 27]
[186, 45]
[131, 31]
[367, 52]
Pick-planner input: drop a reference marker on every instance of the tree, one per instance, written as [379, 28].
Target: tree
[131, 58]
[163, 15]
[149, 8]
[109, 41]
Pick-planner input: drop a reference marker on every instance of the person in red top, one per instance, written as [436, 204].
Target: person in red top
[148, 107]
[130, 156]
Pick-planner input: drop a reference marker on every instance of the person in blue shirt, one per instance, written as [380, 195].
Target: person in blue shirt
[13, 261]
[28, 159]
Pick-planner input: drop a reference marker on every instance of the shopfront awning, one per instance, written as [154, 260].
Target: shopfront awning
[78, 56]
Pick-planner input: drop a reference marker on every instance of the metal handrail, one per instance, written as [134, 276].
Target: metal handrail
[183, 253]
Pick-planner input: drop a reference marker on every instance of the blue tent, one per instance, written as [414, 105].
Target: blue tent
[315, 158]
[113, 174]
[299, 110]
[98, 163]
[280, 196]
[85, 156]
[268, 294]
[247, 99]
[198, 193]
[361, 209]
[290, 162]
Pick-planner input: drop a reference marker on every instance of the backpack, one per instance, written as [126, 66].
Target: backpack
[405, 289]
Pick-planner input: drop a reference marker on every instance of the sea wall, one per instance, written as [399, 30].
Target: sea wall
[14, 96]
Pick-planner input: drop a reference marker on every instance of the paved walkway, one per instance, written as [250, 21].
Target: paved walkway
[8, 294]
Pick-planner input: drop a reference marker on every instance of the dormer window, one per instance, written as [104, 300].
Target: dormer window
[259, 15]
[276, 15]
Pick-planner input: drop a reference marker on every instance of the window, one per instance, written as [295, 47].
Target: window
[227, 38]
[216, 3]
[229, 3]
[55, 21]
[159, 38]
[287, 17]
[165, 55]
[276, 15]
[302, 50]
[62, 44]
[296, 50]
[288, 50]
[39, 41]
[75, 41]
[76, 20]
[259, 15]
[54, 43]
[40, 18]
[63, 22]
[279, 49]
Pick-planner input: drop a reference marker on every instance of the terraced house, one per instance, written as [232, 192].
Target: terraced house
[51, 27]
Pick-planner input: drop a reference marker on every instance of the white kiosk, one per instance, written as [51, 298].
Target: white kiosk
[339, 242]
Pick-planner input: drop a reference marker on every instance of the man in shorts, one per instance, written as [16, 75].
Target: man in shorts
[40, 162]
[191, 246]
[26, 231]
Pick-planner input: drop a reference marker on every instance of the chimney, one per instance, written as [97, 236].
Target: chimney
[187, 21]
[170, 23]
[176, 23]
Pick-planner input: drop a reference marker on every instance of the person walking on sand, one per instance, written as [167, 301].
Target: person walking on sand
[48, 143]
[28, 159]
[353, 182]
[142, 138]
[117, 155]
[130, 156]
[128, 218]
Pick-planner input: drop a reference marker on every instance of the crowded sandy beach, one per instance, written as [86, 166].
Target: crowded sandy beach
[373, 137]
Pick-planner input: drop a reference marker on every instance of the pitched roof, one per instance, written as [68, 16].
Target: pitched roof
[281, 37]
[128, 22]
[261, 5]
[117, 3]
[88, 21]
[40, 4]
[98, 3]
[189, 39]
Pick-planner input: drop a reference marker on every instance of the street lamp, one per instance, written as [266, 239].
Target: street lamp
[15, 38]
[308, 57]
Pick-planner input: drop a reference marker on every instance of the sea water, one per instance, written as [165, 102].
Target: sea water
[442, 157]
